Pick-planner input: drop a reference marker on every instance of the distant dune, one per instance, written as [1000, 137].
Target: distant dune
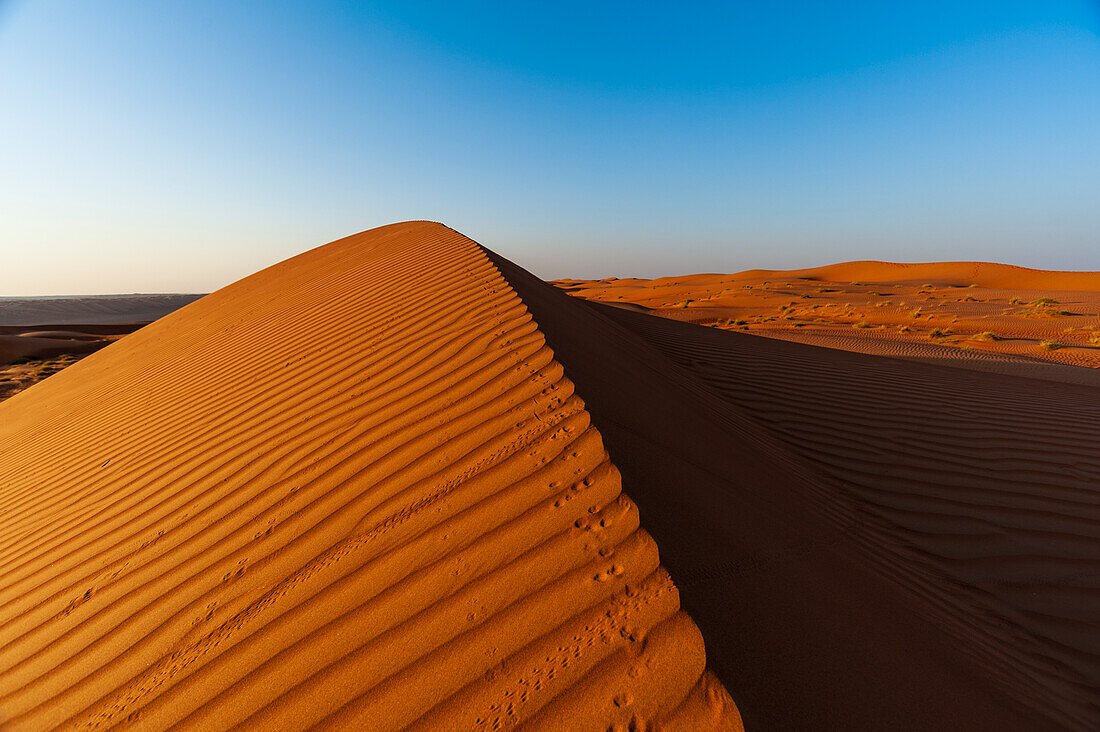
[945, 274]
[990, 317]
[41, 335]
[354, 490]
[89, 309]
[983, 274]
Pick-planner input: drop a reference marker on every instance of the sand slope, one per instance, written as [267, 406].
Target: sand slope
[977, 492]
[353, 490]
[44, 342]
[865, 543]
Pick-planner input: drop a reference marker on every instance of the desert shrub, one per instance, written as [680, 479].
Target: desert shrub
[1051, 345]
[1044, 301]
[987, 336]
[937, 333]
[862, 324]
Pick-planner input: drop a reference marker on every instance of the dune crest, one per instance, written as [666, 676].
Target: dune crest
[356, 490]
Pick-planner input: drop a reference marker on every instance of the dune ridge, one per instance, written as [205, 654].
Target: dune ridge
[820, 607]
[356, 489]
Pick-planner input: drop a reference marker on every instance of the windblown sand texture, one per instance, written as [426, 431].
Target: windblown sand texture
[978, 492]
[355, 490]
[991, 317]
[39, 336]
[29, 354]
[974, 493]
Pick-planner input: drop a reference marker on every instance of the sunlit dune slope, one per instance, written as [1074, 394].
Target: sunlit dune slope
[865, 543]
[353, 490]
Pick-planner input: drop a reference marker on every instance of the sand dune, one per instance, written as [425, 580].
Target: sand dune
[971, 314]
[865, 543]
[982, 274]
[42, 335]
[29, 354]
[944, 274]
[354, 490]
[43, 342]
[982, 488]
[397, 481]
[85, 309]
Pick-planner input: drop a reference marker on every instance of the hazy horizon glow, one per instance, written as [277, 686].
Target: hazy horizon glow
[179, 146]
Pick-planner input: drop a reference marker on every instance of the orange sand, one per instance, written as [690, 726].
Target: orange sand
[29, 354]
[354, 490]
[360, 489]
[992, 317]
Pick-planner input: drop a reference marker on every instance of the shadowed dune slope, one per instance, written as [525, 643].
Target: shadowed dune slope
[836, 587]
[353, 490]
[986, 484]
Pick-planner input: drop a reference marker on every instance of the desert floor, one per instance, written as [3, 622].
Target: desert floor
[977, 315]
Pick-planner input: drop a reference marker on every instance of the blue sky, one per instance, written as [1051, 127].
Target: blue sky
[177, 146]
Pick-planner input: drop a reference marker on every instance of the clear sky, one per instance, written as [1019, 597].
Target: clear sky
[155, 145]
